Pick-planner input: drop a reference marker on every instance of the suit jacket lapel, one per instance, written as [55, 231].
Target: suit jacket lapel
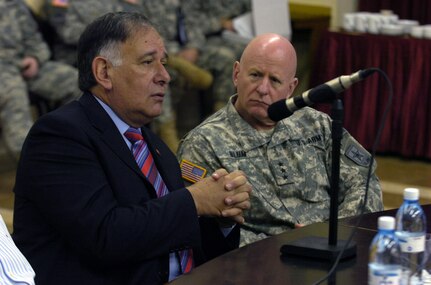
[110, 135]
[108, 132]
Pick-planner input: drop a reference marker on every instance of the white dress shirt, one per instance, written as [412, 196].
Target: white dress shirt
[14, 267]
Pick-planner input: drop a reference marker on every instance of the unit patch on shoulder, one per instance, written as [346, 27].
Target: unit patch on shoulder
[192, 172]
[60, 3]
[358, 155]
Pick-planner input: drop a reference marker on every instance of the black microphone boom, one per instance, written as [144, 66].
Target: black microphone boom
[323, 93]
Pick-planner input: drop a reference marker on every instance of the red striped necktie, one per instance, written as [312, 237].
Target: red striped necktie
[146, 163]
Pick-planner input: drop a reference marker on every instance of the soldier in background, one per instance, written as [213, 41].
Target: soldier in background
[54, 13]
[185, 37]
[69, 18]
[26, 67]
[216, 17]
[288, 163]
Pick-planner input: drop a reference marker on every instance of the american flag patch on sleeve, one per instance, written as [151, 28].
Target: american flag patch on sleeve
[192, 172]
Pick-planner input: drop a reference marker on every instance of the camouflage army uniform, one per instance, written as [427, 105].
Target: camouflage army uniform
[213, 11]
[288, 168]
[69, 19]
[19, 38]
[217, 59]
[210, 13]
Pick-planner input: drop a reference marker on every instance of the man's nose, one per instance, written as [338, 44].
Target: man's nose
[163, 76]
[264, 85]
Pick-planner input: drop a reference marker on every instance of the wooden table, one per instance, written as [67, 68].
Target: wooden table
[260, 263]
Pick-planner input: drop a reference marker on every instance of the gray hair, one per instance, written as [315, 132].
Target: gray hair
[103, 37]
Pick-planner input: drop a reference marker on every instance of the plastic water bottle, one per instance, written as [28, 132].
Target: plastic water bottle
[411, 231]
[384, 265]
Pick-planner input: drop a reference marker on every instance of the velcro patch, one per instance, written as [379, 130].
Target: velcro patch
[60, 3]
[358, 155]
[192, 172]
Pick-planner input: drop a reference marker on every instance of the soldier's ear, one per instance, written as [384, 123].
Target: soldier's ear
[236, 67]
[101, 71]
[292, 85]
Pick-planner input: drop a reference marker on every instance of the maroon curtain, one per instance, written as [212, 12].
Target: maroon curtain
[407, 63]
[419, 10]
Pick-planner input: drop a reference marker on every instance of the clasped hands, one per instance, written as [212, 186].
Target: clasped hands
[222, 195]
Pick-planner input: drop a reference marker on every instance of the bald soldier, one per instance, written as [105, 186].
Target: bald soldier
[287, 162]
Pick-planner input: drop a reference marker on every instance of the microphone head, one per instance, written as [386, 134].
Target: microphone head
[366, 72]
[278, 111]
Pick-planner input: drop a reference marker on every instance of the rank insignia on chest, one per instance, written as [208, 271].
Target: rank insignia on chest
[283, 170]
[192, 172]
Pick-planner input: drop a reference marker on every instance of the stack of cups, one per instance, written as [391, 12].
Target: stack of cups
[365, 22]
[420, 32]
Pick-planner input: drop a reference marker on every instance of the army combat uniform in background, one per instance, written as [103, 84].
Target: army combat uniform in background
[20, 38]
[69, 19]
[212, 14]
[289, 168]
[181, 29]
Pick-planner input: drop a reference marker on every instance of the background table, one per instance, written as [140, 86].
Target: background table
[407, 62]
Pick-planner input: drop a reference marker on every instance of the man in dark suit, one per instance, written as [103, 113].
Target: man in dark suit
[85, 213]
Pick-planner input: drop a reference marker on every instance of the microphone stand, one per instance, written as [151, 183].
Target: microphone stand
[337, 134]
[318, 247]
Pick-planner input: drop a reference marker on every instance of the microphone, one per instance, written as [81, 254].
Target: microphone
[323, 93]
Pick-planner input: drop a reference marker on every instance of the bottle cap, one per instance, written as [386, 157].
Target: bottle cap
[411, 194]
[386, 223]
